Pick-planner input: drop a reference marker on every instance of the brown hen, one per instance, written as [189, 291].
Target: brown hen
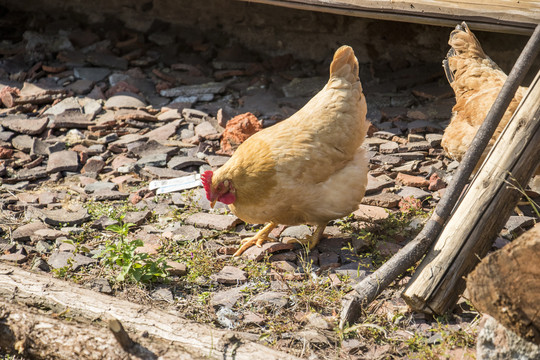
[476, 80]
[307, 169]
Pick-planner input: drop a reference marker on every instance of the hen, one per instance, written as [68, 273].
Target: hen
[476, 80]
[307, 169]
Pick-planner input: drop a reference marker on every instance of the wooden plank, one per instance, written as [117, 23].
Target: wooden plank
[482, 212]
[510, 16]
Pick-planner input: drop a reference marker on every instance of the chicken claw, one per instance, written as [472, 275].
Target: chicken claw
[258, 239]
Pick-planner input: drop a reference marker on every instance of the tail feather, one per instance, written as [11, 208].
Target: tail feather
[465, 51]
[345, 64]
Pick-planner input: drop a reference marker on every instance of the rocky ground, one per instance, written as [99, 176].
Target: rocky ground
[90, 115]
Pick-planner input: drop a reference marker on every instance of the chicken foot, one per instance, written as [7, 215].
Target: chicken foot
[313, 240]
[258, 239]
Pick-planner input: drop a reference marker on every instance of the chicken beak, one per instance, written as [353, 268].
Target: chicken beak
[213, 203]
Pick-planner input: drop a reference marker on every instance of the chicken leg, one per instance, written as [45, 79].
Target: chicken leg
[258, 239]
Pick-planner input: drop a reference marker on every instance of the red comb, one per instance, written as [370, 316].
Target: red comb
[206, 179]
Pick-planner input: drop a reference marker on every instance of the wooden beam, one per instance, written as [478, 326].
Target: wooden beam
[518, 17]
[482, 212]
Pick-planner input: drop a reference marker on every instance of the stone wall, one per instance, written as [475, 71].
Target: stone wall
[276, 30]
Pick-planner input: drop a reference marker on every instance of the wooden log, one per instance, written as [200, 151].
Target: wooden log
[43, 291]
[482, 212]
[506, 285]
[36, 335]
[519, 17]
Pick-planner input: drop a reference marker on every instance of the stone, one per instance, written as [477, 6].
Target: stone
[213, 221]
[93, 165]
[156, 160]
[107, 60]
[100, 284]
[328, 260]
[418, 146]
[256, 253]
[495, 342]
[103, 222]
[43, 247]
[63, 217]
[434, 139]
[65, 160]
[71, 119]
[5, 153]
[297, 232]
[109, 195]
[284, 266]
[205, 129]
[518, 224]
[187, 233]
[408, 156]
[125, 100]
[23, 143]
[61, 259]
[386, 200]
[165, 173]
[137, 217]
[14, 258]
[163, 132]
[81, 86]
[230, 275]
[389, 147]
[194, 90]
[176, 268]
[153, 147]
[227, 298]
[410, 180]
[47, 234]
[66, 247]
[407, 191]
[371, 213]
[216, 161]
[40, 265]
[415, 138]
[181, 162]
[237, 130]
[317, 321]
[376, 184]
[94, 74]
[23, 233]
[274, 299]
[25, 125]
[70, 103]
[386, 248]
[252, 318]
[31, 174]
[100, 186]
[436, 183]
[386, 160]
[162, 294]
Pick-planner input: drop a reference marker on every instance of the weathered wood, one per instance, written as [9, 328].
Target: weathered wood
[39, 336]
[498, 15]
[482, 212]
[44, 291]
[367, 290]
[506, 285]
